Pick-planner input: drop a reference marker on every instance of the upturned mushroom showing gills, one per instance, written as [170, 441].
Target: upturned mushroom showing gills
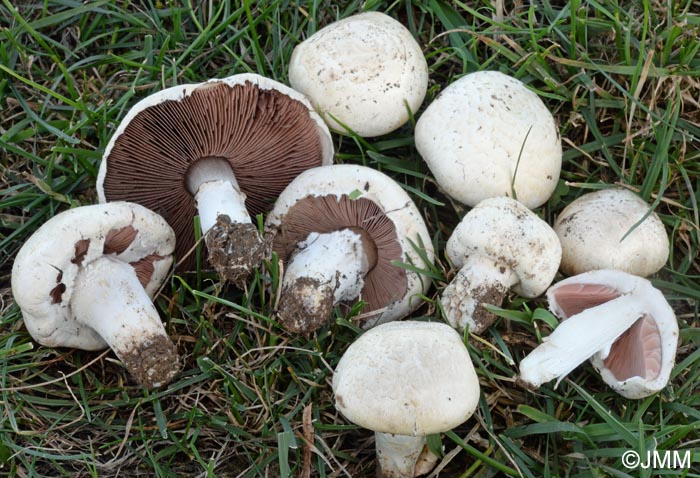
[600, 230]
[366, 71]
[487, 135]
[223, 149]
[499, 245]
[85, 279]
[406, 380]
[618, 320]
[339, 231]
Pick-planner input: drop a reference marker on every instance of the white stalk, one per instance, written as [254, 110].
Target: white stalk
[216, 191]
[481, 280]
[336, 259]
[397, 455]
[109, 298]
[577, 338]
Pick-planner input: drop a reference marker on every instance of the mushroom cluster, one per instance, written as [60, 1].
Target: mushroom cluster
[227, 150]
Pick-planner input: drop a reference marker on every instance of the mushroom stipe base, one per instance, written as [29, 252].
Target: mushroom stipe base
[456, 301]
[299, 316]
[235, 249]
[153, 362]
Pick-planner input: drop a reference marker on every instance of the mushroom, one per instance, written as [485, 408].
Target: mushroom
[224, 149]
[487, 135]
[85, 279]
[599, 230]
[618, 319]
[339, 231]
[366, 71]
[498, 245]
[406, 380]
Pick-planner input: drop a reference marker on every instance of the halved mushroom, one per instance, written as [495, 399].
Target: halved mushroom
[339, 229]
[224, 149]
[599, 230]
[366, 71]
[406, 380]
[620, 321]
[487, 135]
[85, 279]
[499, 245]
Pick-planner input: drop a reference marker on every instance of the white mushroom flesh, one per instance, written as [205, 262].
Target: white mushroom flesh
[576, 340]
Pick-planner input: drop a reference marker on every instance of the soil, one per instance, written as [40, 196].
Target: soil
[154, 362]
[235, 249]
[486, 295]
[305, 306]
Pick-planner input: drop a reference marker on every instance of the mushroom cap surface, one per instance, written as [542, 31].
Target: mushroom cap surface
[591, 231]
[472, 136]
[361, 70]
[407, 378]
[658, 311]
[513, 236]
[266, 131]
[344, 196]
[49, 261]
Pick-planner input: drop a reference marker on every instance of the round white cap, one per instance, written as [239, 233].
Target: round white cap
[364, 70]
[591, 231]
[407, 378]
[480, 130]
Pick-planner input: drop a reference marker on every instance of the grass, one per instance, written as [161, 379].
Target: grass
[622, 79]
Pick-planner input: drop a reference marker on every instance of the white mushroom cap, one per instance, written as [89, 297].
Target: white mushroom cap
[362, 183]
[472, 136]
[407, 378]
[649, 345]
[362, 70]
[49, 261]
[591, 231]
[511, 236]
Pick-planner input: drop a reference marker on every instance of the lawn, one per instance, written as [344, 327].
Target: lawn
[623, 82]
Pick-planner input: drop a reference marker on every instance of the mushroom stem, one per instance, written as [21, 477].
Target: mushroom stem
[579, 337]
[215, 198]
[233, 242]
[481, 280]
[214, 186]
[398, 455]
[109, 298]
[325, 269]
